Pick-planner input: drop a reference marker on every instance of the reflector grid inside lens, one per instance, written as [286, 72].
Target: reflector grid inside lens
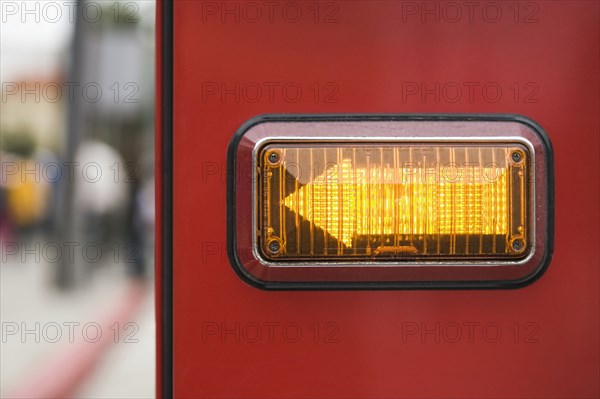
[361, 201]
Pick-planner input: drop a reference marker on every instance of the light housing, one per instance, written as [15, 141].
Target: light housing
[389, 201]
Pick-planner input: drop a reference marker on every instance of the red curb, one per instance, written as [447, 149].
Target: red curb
[62, 373]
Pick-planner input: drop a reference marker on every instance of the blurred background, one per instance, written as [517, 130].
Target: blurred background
[77, 199]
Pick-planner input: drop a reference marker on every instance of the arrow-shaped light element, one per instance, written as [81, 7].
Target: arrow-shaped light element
[348, 201]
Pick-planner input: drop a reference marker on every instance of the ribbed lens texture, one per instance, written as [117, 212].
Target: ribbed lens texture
[361, 201]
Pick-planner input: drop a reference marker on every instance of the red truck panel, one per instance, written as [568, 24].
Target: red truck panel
[235, 60]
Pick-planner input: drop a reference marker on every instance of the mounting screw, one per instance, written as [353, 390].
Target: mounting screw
[517, 156]
[274, 246]
[273, 157]
[518, 245]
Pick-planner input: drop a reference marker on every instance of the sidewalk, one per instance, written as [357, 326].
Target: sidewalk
[127, 370]
[41, 325]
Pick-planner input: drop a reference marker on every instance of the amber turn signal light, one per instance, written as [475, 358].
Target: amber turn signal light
[390, 201]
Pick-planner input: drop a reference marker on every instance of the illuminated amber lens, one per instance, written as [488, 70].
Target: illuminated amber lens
[359, 201]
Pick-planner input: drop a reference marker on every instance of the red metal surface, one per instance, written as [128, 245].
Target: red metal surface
[233, 340]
